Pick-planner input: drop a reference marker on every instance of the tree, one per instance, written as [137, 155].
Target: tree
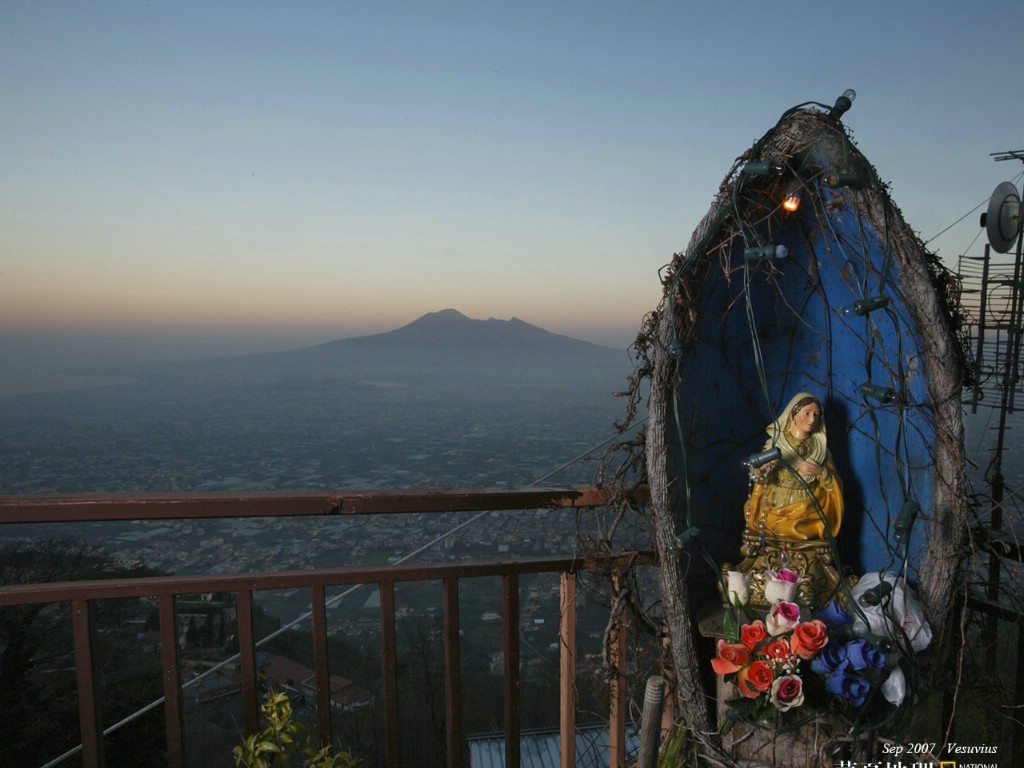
[37, 674]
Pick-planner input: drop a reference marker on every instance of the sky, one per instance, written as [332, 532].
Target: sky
[187, 177]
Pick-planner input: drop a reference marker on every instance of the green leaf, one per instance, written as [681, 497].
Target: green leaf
[731, 627]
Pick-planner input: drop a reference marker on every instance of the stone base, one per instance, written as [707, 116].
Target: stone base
[809, 746]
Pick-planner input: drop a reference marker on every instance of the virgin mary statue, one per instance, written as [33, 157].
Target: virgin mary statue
[794, 510]
[800, 495]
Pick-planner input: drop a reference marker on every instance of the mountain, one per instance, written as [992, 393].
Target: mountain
[449, 328]
[449, 345]
[443, 348]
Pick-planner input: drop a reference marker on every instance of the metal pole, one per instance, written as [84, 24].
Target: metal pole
[1014, 338]
[979, 357]
[567, 686]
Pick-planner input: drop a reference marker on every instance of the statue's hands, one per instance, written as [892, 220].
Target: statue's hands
[809, 468]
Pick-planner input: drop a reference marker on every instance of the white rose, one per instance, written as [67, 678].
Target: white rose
[738, 588]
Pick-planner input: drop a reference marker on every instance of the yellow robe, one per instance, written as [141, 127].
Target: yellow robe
[781, 506]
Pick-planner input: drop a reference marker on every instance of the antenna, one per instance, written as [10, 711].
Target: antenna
[1000, 312]
[1013, 154]
[1002, 219]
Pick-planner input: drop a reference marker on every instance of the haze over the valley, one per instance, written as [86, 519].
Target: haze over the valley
[444, 400]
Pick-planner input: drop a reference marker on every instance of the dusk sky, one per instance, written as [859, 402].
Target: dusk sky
[288, 173]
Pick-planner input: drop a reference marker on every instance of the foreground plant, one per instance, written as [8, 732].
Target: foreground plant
[284, 742]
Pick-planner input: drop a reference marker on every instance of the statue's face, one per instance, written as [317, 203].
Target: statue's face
[807, 418]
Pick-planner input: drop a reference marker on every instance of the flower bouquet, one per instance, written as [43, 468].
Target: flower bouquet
[779, 661]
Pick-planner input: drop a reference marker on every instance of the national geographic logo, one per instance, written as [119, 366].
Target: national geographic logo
[915, 764]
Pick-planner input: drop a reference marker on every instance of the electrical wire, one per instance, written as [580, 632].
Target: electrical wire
[940, 233]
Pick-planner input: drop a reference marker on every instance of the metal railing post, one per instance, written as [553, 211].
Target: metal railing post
[512, 680]
[321, 665]
[173, 717]
[247, 662]
[453, 673]
[89, 718]
[389, 671]
[567, 687]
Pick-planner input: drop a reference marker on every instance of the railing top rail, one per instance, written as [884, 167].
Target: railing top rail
[47, 508]
[121, 587]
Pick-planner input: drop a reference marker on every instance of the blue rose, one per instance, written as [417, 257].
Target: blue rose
[833, 615]
[849, 685]
[863, 654]
[831, 658]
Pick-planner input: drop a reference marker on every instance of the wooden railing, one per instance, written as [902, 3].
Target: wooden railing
[83, 596]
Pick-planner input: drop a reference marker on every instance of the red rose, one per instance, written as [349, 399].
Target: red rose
[809, 637]
[731, 656]
[752, 634]
[755, 679]
[777, 650]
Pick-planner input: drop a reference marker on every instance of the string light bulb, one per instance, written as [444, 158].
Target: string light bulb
[761, 168]
[862, 307]
[905, 521]
[791, 196]
[766, 252]
[758, 460]
[680, 541]
[878, 392]
[843, 179]
[876, 595]
[843, 103]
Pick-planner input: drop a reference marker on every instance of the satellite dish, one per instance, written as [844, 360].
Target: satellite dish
[1002, 221]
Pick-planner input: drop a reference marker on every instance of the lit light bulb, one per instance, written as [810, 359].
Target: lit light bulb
[791, 197]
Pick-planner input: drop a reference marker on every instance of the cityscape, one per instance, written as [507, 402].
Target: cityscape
[523, 418]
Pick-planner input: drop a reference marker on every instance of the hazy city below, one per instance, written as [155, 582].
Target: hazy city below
[443, 402]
